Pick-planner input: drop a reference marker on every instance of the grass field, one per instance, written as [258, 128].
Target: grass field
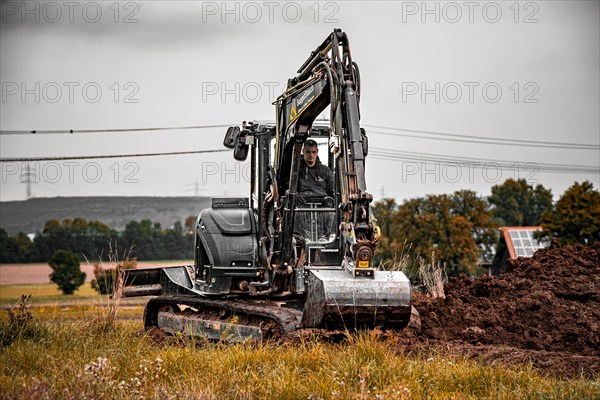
[80, 361]
[69, 347]
[49, 304]
[76, 354]
[43, 292]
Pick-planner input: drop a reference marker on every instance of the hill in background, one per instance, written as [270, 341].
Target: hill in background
[30, 215]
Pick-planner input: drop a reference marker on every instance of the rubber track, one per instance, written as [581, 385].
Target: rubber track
[287, 319]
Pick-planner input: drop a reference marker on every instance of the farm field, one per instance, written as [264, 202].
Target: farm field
[82, 360]
[11, 274]
[530, 333]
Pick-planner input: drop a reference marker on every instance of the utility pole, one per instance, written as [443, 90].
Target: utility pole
[26, 177]
[196, 188]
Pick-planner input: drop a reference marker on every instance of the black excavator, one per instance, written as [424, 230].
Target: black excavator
[276, 261]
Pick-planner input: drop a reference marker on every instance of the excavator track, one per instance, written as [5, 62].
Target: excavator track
[231, 320]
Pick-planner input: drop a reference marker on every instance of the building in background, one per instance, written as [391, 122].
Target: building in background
[515, 241]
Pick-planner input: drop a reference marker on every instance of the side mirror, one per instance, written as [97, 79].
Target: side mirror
[240, 151]
[231, 137]
[365, 142]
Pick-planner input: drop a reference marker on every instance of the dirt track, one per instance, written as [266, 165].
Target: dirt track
[14, 274]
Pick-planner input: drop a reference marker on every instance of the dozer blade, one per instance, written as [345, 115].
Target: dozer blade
[337, 300]
[158, 281]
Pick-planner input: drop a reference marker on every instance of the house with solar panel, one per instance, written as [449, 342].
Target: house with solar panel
[516, 241]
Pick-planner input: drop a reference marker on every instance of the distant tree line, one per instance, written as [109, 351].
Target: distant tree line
[455, 229]
[461, 228]
[147, 240]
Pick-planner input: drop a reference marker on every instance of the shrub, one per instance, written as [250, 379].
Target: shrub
[104, 278]
[66, 272]
[20, 324]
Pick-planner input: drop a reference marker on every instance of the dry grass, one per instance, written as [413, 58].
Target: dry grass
[400, 262]
[107, 313]
[77, 361]
[432, 276]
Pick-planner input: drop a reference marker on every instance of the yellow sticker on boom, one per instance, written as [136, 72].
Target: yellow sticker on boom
[363, 264]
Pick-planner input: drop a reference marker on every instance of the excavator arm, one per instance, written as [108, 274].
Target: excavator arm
[328, 77]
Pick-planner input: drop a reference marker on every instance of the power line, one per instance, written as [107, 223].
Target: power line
[529, 166]
[533, 167]
[550, 146]
[376, 153]
[452, 137]
[510, 140]
[174, 153]
[72, 131]
[440, 157]
[482, 139]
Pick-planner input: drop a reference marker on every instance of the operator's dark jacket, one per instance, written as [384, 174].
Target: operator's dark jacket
[316, 181]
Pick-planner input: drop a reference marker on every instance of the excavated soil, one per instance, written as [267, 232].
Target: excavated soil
[544, 310]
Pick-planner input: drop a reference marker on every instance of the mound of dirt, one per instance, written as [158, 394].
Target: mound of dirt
[546, 306]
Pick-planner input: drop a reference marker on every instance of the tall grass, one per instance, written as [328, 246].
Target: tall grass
[433, 275]
[111, 281]
[399, 262]
[78, 361]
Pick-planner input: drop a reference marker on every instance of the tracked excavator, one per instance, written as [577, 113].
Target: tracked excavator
[276, 261]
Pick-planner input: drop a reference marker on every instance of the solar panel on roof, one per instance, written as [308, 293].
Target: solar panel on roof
[523, 242]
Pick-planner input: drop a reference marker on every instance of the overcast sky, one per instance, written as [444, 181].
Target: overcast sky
[526, 71]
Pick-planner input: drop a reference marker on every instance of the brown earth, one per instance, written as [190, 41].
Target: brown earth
[544, 309]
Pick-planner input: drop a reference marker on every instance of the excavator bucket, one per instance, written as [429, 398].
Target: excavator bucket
[339, 301]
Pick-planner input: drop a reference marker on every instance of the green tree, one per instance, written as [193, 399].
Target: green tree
[455, 229]
[24, 244]
[9, 248]
[476, 211]
[178, 243]
[89, 238]
[66, 272]
[14, 249]
[190, 224]
[434, 231]
[147, 238]
[516, 203]
[384, 215]
[576, 216]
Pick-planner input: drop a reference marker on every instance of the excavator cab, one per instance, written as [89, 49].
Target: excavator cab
[317, 218]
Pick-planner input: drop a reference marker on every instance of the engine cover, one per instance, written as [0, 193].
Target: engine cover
[226, 245]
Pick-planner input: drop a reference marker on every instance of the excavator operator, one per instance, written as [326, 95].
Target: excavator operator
[315, 189]
[316, 179]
